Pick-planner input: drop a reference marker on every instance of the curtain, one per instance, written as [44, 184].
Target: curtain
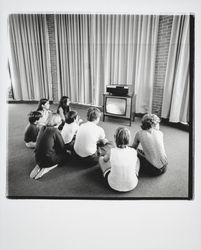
[176, 89]
[29, 57]
[98, 50]
[145, 62]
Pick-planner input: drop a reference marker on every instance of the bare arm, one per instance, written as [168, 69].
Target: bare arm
[61, 112]
[136, 141]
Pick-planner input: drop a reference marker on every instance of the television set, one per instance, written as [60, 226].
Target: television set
[117, 106]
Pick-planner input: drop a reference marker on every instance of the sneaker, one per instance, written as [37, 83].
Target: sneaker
[34, 172]
[44, 171]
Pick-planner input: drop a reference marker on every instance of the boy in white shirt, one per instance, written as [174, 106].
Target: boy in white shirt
[88, 137]
[70, 129]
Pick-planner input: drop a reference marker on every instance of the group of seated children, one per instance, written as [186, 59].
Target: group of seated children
[58, 136]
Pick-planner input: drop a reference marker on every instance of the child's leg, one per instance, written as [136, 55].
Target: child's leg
[59, 159]
[105, 166]
[146, 167]
[91, 160]
[48, 164]
[104, 148]
[88, 161]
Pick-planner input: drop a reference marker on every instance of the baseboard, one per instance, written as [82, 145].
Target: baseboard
[24, 102]
[179, 125]
[185, 127]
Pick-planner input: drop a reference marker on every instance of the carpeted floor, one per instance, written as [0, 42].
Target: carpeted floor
[73, 181]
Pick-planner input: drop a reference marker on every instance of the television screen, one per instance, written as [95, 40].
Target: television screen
[116, 106]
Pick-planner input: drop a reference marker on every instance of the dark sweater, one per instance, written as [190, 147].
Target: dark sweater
[65, 110]
[31, 133]
[49, 147]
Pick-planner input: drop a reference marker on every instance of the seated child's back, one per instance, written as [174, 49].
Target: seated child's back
[123, 175]
[50, 150]
[89, 134]
[31, 130]
[43, 108]
[153, 147]
[120, 165]
[63, 107]
[153, 157]
[71, 127]
[50, 144]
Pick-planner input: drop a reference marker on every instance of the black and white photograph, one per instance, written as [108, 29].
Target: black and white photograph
[100, 106]
[100, 125]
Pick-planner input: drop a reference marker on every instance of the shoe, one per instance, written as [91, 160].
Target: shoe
[41, 173]
[34, 172]
[44, 171]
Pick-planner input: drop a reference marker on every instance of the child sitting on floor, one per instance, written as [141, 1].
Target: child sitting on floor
[120, 165]
[31, 130]
[43, 108]
[50, 148]
[63, 109]
[87, 138]
[153, 159]
[70, 129]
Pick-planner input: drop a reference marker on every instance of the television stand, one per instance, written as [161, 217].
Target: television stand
[118, 106]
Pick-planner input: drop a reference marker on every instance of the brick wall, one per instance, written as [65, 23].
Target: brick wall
[52, 45]
[165, 25]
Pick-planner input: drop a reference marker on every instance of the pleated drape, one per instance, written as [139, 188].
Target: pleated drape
[96, 50]
[29, 57]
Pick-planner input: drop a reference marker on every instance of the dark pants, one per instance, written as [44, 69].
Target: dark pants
[61, 125]
[47, 162]
[88, 161]
[70, 145]
[92, 160]
[146, 168]
[104, 148]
